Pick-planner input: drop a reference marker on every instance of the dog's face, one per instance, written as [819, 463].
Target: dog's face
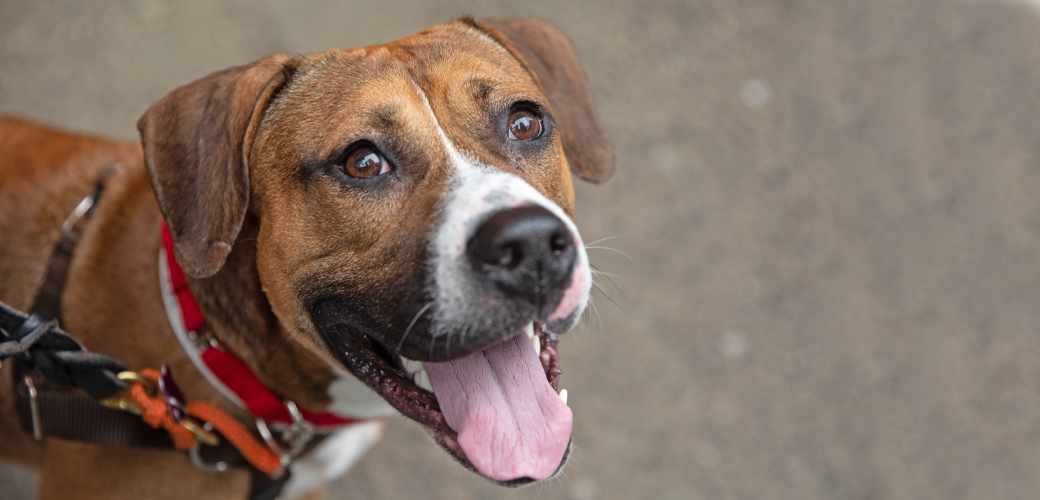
[415, 209]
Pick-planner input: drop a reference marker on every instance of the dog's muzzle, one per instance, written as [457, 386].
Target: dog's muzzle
[526, 252]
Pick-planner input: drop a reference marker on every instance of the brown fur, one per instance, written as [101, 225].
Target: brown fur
[230, 159]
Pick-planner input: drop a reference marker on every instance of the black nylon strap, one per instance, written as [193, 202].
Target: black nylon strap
[24, 336]
[97, 424]
[48, 298]
[67, 414]
[70, 415]
[58, 356]
[37, 339]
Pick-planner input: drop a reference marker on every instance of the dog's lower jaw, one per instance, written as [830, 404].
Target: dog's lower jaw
[372, 364]
[382, 371]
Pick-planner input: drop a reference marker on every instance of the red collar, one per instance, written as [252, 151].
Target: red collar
[223, 365]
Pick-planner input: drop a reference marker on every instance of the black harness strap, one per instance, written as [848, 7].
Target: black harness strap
[46, 401]
[58, 356]
[48, 299]
[69, 415]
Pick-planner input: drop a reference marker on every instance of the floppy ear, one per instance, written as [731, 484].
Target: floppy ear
[550, 58]
[196, 147]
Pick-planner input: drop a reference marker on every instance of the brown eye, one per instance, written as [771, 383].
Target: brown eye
[365, 162]
[524, 125]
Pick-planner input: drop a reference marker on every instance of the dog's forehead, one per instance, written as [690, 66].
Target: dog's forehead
[455, 65]
[446, 80]
[455, 49]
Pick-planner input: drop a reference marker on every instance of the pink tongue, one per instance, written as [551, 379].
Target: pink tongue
[511, 423]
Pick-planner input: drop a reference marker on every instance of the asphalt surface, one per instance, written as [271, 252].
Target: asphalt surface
[831, 209]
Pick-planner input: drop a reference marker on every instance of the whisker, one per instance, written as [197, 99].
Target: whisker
[597, 312]
[601, 240]
[594, 285]
[462, 340]
[608, 275]
[599, 316]
[612, 250]
[586, 319]
[604, 273]
[447, 342]
[289, 334]
[410, 325]
[467, 330]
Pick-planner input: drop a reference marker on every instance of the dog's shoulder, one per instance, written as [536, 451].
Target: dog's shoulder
[44, 174]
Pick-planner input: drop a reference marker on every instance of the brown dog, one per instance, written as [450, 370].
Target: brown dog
[401, 212]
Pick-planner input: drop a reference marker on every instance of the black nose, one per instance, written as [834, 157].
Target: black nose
[526, 251]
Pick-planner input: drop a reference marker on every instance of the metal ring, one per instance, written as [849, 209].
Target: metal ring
[196, 456]
[283, 455]
[265, 433]
[294, 411]
[77, 213]
[299, 433]
[133, 377]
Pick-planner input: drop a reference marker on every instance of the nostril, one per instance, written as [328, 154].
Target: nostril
[558, 244]
[511, 256]
[526, 250]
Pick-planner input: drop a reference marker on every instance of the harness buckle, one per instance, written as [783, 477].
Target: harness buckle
[34, 409]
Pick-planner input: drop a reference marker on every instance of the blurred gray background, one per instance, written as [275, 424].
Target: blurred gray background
[832, 211]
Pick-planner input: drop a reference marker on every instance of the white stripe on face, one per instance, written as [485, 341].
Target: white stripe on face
[474, 192]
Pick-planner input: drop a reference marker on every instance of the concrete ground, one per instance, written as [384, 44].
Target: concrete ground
[832, 211]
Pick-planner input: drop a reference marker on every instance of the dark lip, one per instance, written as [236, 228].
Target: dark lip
[381, 370]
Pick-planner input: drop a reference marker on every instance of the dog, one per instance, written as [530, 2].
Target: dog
[369, 231]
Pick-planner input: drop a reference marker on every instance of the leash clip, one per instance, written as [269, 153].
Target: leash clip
[122, 401]
[179, 411]
[297, 435]
[175, 407]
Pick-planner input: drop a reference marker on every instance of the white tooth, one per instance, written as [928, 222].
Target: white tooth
[563, 395]
[423, 380]
[410, 365]
[535, 341]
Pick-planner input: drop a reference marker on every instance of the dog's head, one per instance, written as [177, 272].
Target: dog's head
[414, 202]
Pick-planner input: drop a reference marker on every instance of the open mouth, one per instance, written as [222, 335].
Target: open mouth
[497, 411]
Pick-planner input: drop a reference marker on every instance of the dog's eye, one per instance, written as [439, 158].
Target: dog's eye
[524, 125]
[365, 162]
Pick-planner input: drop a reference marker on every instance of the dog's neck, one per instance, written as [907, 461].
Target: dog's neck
[239, 315]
